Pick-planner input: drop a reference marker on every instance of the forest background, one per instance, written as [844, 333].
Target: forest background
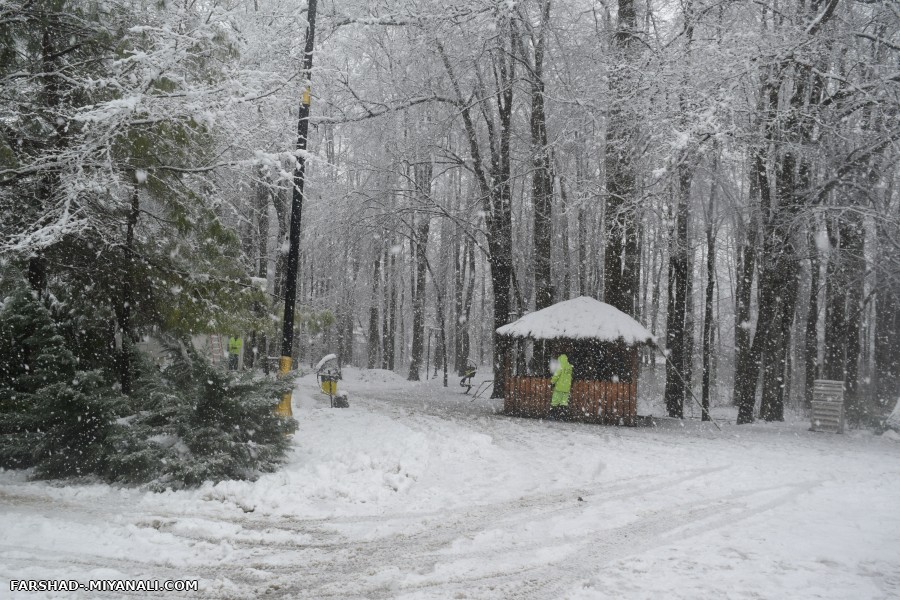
[724, 171]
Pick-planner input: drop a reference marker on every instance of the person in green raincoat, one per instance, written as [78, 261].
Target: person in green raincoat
[562, 385]
[235, 344]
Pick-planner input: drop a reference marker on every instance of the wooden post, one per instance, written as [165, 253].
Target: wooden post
[529, 396]
[508, 393]
[632, 404]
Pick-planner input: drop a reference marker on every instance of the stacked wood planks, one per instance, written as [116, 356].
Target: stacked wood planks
[827, 409]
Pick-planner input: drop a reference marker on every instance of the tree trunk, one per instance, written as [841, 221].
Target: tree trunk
[582, 254]
[746, 267]
[844, 308]
[710, 290]
[621, 261]
[501, 274]
[459, 278]
[347, 310]
[748, 349]
[791, 127]
[835, 306]
[389, 328]
[887, 345]
[441, 350]
[494, 186]
[568, 277]
[467, 304]
[856, 410]
[690, 326]
[420, 243]
[812, 317]
[781, 271]
[676, 381]
[126, 307]
[541, 175]
[373, 347]
[654, 307]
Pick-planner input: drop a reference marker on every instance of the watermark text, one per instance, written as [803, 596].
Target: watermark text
[103, 585]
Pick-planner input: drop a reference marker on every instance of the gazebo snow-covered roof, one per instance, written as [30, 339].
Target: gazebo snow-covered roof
[582, 318]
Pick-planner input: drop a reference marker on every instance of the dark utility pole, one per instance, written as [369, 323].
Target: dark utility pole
[290, 280]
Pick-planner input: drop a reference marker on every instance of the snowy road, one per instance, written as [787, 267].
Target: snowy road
[416, 492]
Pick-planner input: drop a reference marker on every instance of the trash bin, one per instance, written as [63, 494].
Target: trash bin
[329, 383]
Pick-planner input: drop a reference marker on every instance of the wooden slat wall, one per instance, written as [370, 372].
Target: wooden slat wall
[827, 407]
[584, 401]
[590, 401]
[827, 416]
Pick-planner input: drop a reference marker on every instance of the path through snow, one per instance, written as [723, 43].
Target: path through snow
[418, 492]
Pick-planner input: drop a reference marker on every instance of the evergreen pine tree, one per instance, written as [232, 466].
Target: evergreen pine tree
[52, 416]
[32, 355]
[199, 423]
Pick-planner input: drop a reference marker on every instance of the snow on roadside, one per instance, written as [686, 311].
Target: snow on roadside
[357, 462]
[422, 492]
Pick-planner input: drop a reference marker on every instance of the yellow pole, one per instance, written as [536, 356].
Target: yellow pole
[284, 407]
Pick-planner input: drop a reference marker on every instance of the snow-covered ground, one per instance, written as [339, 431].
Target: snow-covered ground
[418, 492]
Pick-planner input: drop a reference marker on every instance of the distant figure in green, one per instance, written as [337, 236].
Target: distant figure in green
[234, 352]
[562, 385]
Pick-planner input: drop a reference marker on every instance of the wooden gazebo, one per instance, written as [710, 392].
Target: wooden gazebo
[602, 344]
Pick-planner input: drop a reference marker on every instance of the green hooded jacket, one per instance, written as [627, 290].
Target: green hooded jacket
[562, 382]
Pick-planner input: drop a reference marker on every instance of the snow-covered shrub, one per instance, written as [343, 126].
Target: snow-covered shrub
[182, 426]
[74, 421]
[198, 423]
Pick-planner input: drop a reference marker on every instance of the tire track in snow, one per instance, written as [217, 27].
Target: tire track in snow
[350, 569]
[596, 549]
[344, 567]
[418, 548]
[660, 528]
[438, 553]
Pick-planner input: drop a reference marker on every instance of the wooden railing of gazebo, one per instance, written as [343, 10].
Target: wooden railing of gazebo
[589, 401]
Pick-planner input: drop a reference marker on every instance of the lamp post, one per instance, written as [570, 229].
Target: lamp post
[290, 282]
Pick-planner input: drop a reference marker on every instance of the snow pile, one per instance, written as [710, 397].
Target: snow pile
[580, 319]
[352, 462]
